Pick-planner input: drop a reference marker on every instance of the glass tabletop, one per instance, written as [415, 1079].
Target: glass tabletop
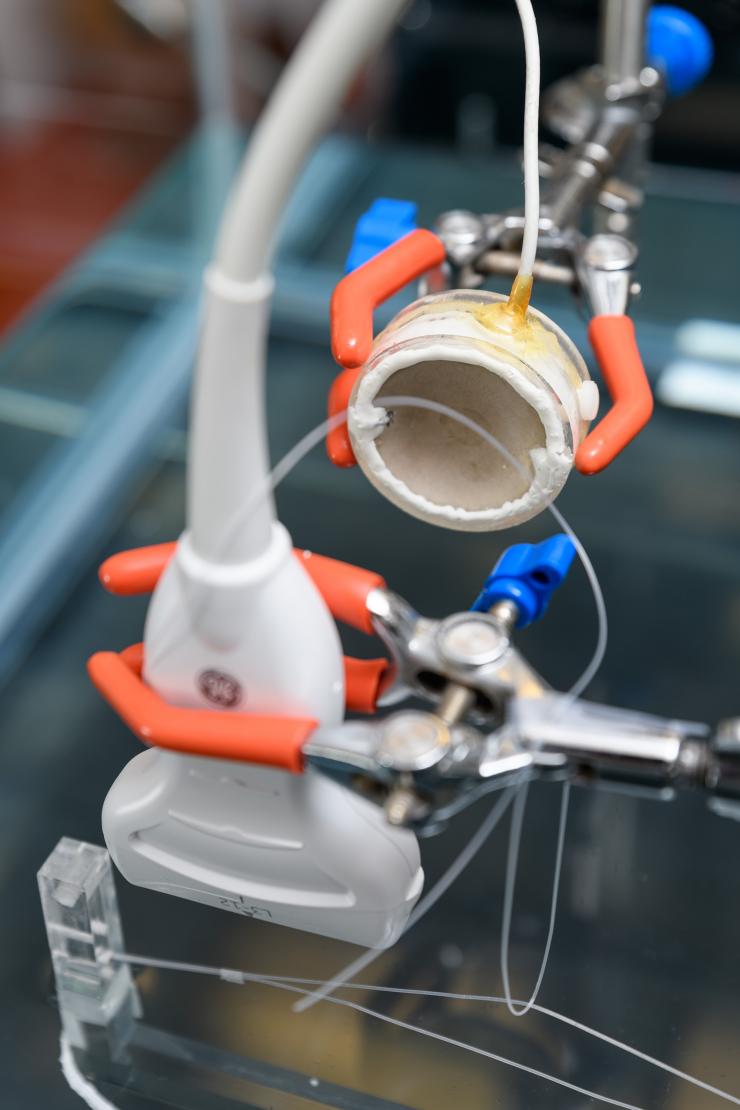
[643, 947]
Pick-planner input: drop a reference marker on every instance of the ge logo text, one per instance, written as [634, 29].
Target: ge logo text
[220, 689]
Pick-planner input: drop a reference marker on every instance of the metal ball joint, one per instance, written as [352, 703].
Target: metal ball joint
[471, 640]
[413, 741]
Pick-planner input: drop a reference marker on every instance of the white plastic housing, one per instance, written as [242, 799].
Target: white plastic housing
[528, 386]
[235, 621]
[262, 625]
[297, 850]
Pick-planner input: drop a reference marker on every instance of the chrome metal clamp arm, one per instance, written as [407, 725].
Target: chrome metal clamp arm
[505, 726]
[493, 721]
[605, 115]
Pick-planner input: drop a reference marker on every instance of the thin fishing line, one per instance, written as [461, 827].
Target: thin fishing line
[268, 485]
[283, 985]
[368, 957]
[603, 624]
[576, 689]
[398, 1023]
[238, 977]
[512, 867]
[289, 461]
[312, 438]
[441, 887]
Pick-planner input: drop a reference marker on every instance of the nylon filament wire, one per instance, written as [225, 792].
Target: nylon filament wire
[432, 896]
[512, 866]
[278, 474]
[81, 1086]
[313, 438]
[578, 686]
[296, 985]
[529, 246]
[281, 471]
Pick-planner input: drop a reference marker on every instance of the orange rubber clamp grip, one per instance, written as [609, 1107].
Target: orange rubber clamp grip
[338, 443]
[363, 683]
[256, 739]
[343, 587]
[269, 741]
[352, 305]
[363, 678]
[136, 571]
[615, 346]
[245, 737]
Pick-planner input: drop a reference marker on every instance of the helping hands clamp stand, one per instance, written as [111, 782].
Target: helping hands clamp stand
[493, 719]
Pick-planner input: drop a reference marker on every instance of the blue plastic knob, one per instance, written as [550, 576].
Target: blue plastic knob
[528, 574]
[680, 46]
[385, 222]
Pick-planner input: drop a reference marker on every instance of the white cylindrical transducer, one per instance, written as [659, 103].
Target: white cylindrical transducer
[517, 376]
[236, 622]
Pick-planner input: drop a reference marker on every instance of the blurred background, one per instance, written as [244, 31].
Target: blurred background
[121, 124]
[95, 94]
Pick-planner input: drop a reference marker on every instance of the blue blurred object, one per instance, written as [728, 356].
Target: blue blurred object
[385, 222]
[680, 46]
[528, 574]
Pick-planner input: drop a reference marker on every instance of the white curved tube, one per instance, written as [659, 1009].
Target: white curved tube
[228, 455]
[227, 451]
[341, 37]
[531, 137]
[228, 445]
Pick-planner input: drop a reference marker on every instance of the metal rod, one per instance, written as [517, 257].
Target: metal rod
[623, 25]
[507, 263]
[583, 169]
[660, 758]
[455, 703]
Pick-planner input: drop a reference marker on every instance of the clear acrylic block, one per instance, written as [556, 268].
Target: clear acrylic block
[95, 991]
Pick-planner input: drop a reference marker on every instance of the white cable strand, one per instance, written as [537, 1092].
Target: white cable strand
[281, 471]
[531, 137]
[603, 625]
[97, 1101]
[602, 636]
[312, 438]
[332, 51]
[289, 462]
[467, 1048]
[576, 689]
[233, 975]
[442, 885]
[512, 867]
